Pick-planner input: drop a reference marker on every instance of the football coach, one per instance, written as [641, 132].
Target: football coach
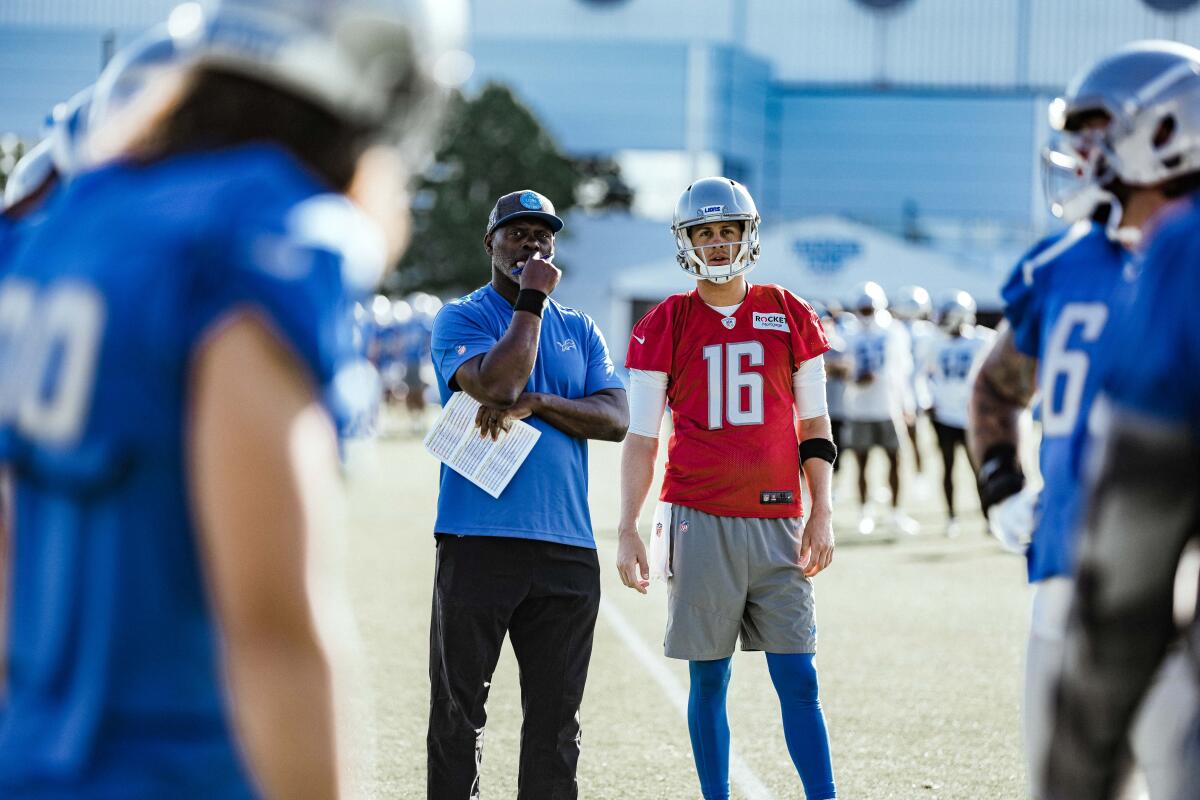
[524, 564]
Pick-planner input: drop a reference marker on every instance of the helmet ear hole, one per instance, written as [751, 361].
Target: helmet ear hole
[1165, 131]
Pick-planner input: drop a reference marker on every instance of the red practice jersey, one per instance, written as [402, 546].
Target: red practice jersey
[734, 450]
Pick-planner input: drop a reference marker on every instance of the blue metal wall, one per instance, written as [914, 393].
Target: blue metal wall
[865, 155]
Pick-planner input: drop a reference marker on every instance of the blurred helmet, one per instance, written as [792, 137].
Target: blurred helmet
[402, 312]
[387, 65]
[60, 154]
[30, 175]
[68, 132]
[423, 304]
[1133, 117]
[710, 200]
[957, 310]
[131, 70]
[912, 302]
[869, 296]
[381, 310]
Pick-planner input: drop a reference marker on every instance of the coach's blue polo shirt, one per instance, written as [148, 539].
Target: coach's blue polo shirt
[547, 498]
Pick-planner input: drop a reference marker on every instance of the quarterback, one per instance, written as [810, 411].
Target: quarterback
[741, 366]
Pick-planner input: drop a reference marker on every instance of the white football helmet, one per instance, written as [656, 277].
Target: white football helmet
[385, 64]
[957, 310]
[869, 296]
[912, 302]
[716, 200]
[1132, 117]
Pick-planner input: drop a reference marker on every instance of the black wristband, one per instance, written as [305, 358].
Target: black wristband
[1000, 475]
[530, 300]
[823, 449]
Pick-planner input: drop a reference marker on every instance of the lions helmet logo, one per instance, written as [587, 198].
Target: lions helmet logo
[531, 201]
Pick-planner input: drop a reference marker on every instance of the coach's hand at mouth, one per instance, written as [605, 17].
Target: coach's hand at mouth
[632, 564]
[816, 545]
[539, 273]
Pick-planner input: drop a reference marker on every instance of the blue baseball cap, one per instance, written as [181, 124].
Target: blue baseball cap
[523, 203]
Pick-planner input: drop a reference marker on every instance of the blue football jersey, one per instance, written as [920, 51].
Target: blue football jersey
[114, 682]
[1152, 356]
[1058, 302]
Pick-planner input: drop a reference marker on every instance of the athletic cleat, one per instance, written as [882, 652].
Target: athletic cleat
[905, 524]
[866, 524]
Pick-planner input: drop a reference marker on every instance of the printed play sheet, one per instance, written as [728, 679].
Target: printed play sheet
[455, 441]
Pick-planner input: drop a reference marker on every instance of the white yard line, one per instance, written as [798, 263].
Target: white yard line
[740, 774]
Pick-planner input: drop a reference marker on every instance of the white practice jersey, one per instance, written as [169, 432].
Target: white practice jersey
[925, 337]
[880, 359]
[949, 368]
[835, 387]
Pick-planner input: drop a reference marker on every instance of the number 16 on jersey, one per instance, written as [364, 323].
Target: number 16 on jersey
[726, 400]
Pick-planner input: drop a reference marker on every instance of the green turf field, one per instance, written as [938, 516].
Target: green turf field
[920, 656]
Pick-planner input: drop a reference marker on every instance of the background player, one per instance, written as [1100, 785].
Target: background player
[1112, 122]
[175, 322]
[739, 365]
[880, 365]
[948, 367]
[913, 309]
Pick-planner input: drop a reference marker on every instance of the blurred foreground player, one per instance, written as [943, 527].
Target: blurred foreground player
[172, 328]
[741, 366]
[1143, 511]
[1124, 127]
[523, 564]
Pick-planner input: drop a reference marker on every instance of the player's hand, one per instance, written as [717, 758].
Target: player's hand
[537, 272]
[632, 565]
[492, 421]
[816, 545]
[1011, 520]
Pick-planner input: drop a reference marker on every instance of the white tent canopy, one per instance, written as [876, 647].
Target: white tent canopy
[828, 258]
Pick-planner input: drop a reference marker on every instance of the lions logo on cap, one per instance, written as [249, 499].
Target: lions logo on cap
[531, 201]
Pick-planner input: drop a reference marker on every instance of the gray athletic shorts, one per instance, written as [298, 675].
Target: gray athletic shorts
[865, 434]
[736, 576]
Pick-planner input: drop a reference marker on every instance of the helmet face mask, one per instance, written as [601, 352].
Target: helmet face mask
[711, 201]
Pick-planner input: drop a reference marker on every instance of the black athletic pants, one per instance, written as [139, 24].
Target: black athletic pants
[546, 597]
[949, 438]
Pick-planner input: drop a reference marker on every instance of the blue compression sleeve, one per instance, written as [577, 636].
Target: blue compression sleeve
[709, 725]
[795, 679]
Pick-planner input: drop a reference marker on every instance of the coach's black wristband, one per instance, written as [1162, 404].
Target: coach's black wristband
[530, 300]
[823, 449]
[1000, 477]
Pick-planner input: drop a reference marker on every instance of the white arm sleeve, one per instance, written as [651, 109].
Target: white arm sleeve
[647, 399]
[808, 385]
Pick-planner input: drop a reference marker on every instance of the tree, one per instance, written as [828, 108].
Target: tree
[492, 144]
